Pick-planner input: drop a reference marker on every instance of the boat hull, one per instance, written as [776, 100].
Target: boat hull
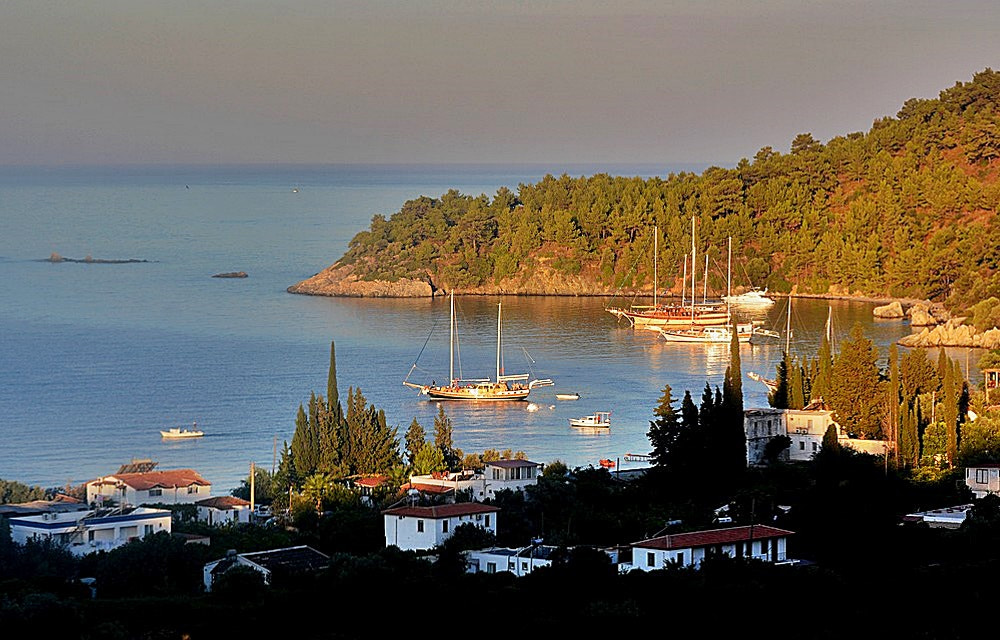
[660, 318]
[486, 395]
[573, 422]
[171, 435]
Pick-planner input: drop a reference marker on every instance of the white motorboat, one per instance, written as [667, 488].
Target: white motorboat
[567, 396]
[753, 298]
[177, 433]
[599, 419]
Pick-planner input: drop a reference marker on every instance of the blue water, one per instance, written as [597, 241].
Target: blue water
[95, 359]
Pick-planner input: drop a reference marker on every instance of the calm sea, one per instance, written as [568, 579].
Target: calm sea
[95, 359]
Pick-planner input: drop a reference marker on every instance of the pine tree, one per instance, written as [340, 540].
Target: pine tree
[854, 392]
[428, 459]
[665, 431]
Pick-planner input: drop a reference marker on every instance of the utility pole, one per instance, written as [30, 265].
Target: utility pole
[274, 455]
[252, 474]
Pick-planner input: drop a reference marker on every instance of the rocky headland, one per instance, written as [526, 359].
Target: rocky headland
[953, 333]
[542, 280]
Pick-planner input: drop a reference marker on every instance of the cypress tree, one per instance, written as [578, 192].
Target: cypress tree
[909, 443]
[779, 397]
[732, 434]
[796, 389]
[689, 413]
[892, 401]
[949, 403]
[332, 395]
[415, 439]
[443, 437]
[303, 453]
[665, 431]
[824, 371]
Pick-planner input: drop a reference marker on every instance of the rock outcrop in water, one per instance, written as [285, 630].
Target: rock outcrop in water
[55, 257]
[953, 334]
[231, 274]
[892, 310]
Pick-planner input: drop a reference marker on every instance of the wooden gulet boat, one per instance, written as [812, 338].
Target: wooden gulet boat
[505, 387]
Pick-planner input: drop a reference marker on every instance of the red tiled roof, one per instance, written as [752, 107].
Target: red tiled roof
[371, 481]
[713, 537]
[223, 502]
[442, 510]
[166, 479]
[426, 488]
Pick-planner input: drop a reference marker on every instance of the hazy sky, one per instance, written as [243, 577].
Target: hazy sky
[327, 81]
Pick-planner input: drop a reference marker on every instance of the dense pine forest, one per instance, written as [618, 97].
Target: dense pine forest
[907, 209]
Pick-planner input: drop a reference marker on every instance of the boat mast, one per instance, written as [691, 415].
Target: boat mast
[729, 270]
[451, 348]
[656, 237]
[499, 306]
[684, 281]
[704, 296]
[694, 254]
[788, 325]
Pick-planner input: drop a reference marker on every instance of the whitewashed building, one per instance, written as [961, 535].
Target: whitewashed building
[174, 486]
[759, 542]
[422, 528]
[284, 562]
[496, 476]
[222, 510]
[805, 429]
[83, 532]
[983, 479]
[520, 562]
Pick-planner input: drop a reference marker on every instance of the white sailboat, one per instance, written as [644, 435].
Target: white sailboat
[504, 387]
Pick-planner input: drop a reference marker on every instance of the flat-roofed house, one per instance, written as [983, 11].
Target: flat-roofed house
[422, 528]
[83, 532]
[173, 486]
[759, 542]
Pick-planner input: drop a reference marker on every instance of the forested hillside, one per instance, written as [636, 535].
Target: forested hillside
[907, 209]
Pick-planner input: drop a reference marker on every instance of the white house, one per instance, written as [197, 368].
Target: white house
[508, 474]
[983, 479]
[175, 486]
[497, 476]
[84, 532]
[760, 542]
[222, 510]
[804, 427]
[520, 562]
[284, 562]
[420, 528]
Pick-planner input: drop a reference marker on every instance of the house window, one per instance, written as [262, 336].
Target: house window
[444, 526]
[982, 476]
[155, 492]
[487, 520]
[524, 565]
[420, 526]
[193, 489]
[680, 558]
[491, 567]
[147, 529]
[802, 445]
[814, 446]
[650, 559]
[763, 547]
